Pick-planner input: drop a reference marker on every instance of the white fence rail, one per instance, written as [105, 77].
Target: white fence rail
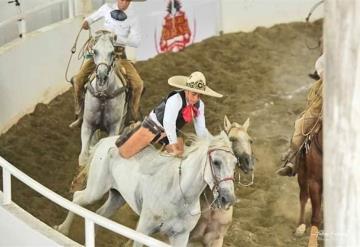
[91, 218]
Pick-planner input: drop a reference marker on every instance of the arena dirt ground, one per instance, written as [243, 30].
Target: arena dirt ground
[263, 75]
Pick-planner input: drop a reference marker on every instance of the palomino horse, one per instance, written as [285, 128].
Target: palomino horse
[213, 224]
[310, 179]
[164, 191]
[105, 99]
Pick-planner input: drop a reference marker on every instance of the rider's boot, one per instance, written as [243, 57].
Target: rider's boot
[289, 169]
[78, 119]
[135, 103]
[79, 106]
[136, 85]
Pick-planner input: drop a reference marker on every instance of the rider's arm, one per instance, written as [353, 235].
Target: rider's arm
[98, 14]
[134, 37]
[172, 108]
[199, 122]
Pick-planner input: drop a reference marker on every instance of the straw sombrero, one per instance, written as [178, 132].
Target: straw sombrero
[196, 82]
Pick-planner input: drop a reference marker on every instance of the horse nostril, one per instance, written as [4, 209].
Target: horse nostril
[223, 200]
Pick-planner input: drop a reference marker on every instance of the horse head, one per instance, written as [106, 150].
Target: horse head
[104, 56]
[219, 171]
[241, 143]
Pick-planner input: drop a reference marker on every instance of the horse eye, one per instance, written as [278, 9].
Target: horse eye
[251, 141]
[217, 163]
[95, 52]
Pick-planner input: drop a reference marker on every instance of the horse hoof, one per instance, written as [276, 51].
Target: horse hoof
[313, 239]
[300, 230]
[59, 229]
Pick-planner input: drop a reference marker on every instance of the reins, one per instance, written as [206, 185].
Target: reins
[307, 19]
[217, 181]
[313, 9]
[239, 176]
[81, 53]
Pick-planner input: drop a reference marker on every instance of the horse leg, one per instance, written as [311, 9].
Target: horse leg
[86, 136]
[113, 203]
[81, 198]
[218, 242]
[199, 230]
[180, 239]
[304, 196]
[145, 225]
[210, 237]
[96, 186]
[315, 197]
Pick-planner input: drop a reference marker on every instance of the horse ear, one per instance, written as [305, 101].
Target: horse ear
[227, 124]
[246, 124]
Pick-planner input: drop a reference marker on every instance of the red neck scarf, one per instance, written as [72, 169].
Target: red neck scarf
[189, 112]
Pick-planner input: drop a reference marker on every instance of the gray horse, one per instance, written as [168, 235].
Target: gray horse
[214, 223]
[105, 99]
[164, 191]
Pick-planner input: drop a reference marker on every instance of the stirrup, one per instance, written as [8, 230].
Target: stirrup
[287, 170]
[76, 123]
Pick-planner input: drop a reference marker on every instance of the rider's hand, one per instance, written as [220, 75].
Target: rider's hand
[85, 25]
[176, 149]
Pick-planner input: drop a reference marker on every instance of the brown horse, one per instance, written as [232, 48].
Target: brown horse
[214, 223]
[310, 179]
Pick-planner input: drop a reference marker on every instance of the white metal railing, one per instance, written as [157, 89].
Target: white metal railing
[21, 18]
[91, 218]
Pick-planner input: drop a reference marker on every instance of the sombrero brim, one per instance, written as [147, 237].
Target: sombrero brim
[179, 81]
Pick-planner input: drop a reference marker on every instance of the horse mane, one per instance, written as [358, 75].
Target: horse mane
[152, 161]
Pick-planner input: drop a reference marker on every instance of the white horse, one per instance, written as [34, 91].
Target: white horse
[105, 99]
[213, 224]
[164, 191]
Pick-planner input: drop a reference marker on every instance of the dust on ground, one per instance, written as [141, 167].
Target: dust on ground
[263, 75]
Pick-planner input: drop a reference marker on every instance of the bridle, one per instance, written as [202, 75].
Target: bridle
[103, 95]
[217, 180]
[108, 69]
[238, 160]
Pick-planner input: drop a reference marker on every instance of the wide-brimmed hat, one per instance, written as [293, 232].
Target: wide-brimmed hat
[196, 82]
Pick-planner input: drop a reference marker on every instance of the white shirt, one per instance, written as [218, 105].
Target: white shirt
[172, 108]
[127, 31]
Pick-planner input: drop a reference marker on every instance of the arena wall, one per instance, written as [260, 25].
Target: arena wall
[32, 70]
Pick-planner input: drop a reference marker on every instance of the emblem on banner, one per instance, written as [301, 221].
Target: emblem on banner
[176, 33]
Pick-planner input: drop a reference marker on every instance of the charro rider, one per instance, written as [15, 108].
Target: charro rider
[178, 108]
[306, 123]
[119, 19]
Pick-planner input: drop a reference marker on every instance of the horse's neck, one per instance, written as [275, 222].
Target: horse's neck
[114, 81]
[192, 178]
